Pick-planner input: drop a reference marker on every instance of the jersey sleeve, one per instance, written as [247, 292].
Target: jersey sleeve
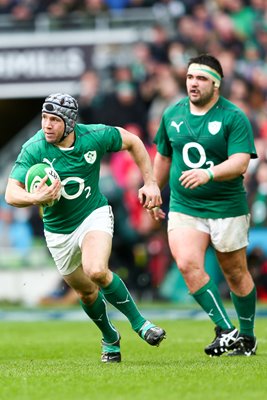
[24, 161]
[162, 140]
[112, 140]
[115, 139]
[240, 139]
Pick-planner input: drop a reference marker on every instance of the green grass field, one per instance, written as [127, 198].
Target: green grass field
[60, 360]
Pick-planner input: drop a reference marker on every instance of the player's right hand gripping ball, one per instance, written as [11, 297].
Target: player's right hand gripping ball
[34, 176]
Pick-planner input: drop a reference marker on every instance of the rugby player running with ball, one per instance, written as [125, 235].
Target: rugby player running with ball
[79, 227]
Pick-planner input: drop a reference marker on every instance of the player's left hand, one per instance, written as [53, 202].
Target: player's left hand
[193, 178]
[157, 213]
[149, 195]
[44, 194]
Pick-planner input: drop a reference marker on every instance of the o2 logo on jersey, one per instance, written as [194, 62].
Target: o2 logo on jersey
[90, 157]
[202, 155]
[81, 188]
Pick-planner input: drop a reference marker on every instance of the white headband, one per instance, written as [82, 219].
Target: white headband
[206, 71]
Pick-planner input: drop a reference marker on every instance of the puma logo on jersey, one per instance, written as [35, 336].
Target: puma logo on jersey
[90, 157]
[45, 160]
[214, 127]
[177, 126]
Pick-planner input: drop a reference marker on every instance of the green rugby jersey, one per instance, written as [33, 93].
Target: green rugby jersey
[78, 168]
[202, 141]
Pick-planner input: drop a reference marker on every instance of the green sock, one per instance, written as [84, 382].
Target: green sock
[98, 314]
[246, 308]
[118, 295]
[208, 297]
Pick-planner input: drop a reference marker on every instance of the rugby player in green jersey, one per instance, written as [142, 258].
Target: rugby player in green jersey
[79, 227]
[204, 144]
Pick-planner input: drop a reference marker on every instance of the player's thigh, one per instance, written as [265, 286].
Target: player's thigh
[234, 262]
[188, 246]
[96, 249]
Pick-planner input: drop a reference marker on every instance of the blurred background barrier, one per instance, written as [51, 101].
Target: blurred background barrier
[26, 286]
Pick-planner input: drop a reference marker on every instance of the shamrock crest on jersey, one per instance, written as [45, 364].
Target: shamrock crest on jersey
[90, 157]
[214, 127]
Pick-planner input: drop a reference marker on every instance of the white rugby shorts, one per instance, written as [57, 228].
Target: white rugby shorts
[226, 234]
[66, 248]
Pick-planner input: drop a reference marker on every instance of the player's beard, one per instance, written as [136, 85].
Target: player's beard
[203, 99]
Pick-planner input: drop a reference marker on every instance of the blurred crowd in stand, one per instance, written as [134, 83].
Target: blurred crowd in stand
[134, 94]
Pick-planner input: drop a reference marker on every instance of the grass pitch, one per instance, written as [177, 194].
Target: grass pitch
[59, 360]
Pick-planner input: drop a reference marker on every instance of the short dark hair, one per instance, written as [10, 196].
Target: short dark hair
[209, 60]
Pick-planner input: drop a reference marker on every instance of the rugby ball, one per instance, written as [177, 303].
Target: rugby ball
[34, 176]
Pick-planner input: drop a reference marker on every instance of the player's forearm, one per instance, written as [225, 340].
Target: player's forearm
[17, 196]
[136, 148]
[235, 166]
[161, 169]
[143, 161]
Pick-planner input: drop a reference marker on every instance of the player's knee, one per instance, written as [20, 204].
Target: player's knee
[184, 265]
[190, 271]
[99, 276]
[234, 277]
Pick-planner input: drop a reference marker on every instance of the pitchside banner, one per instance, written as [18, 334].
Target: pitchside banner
[34, 64]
